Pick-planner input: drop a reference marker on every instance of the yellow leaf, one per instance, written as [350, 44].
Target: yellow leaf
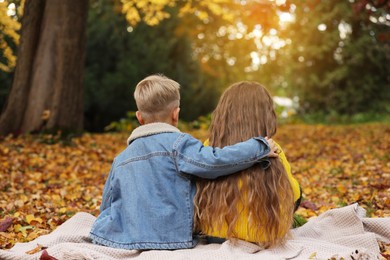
[202, 15]
[160, 2]
[17, 227]
[335, 199]
[31, 218]
[23, 230]
[356, 197]
[187, 8]
[24, 198]
[141, 4]
[341, 188]
[56, 197]
[307, 190]
[32, 235]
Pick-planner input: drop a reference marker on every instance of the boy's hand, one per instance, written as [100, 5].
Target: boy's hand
[274, 149]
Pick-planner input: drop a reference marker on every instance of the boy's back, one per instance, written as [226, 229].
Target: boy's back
[144, 192]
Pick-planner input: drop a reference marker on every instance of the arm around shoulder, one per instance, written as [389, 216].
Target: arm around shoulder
[208, 162]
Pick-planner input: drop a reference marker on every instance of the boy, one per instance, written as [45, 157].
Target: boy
[148, 196]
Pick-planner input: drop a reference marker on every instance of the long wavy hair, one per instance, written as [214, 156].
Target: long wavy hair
[246, 110]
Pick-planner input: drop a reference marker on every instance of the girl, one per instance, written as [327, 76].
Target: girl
[256, 204]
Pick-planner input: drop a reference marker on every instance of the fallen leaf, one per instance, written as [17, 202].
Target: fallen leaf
[6, 235]
[5, 224]
[308, 205]
[45, 256]
[36, 250]
[22, 229]
[307, 190]
[341, 188]
[32, 235]
[30, 218]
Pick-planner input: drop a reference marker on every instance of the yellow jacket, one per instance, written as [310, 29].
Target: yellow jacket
[241, 229]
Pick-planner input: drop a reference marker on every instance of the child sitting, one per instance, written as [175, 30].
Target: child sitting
[148, 196]
[256, 204]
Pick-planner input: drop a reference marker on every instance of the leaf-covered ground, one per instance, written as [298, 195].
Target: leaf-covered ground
[44, 181]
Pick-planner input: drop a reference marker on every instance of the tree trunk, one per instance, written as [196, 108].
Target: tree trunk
[12, 117]
[54, 85]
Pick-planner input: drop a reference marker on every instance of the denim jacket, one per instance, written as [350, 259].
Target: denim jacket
[148, 196]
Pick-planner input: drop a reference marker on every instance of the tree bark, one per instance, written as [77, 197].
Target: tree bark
[55, 80]
[13, 113]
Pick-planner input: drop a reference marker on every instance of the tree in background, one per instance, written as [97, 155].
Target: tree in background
[335, 62]
[9, 38]
[330, 55]
[120, 55]
[46, 93]
[47, 87]
[9, 26]
[228, 48]
[197, 46]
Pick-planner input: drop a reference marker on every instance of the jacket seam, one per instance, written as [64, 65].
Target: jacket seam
[175, 153]
[144, 157]
[220, 166]
[208, 166]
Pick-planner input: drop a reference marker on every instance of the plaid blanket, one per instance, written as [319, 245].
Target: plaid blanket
[342, 233]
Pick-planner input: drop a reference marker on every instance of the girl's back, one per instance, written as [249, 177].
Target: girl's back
[256, 204]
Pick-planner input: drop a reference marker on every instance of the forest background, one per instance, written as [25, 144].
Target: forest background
[71, 67]
[329, 58]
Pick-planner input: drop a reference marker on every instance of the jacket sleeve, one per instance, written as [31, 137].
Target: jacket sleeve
[192, 157]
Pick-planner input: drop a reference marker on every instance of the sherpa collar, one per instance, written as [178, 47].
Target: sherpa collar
[151, 129]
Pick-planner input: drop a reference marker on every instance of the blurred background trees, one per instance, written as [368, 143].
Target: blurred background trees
[338, 53]
[9, 38]
[328, 57]
[120, 55]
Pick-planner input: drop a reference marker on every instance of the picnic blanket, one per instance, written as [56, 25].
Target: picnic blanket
[342, 233]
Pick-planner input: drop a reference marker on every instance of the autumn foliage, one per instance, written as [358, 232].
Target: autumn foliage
[45, 180]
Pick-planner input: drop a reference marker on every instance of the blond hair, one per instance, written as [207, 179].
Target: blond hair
[246, 110]
[156, 96]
